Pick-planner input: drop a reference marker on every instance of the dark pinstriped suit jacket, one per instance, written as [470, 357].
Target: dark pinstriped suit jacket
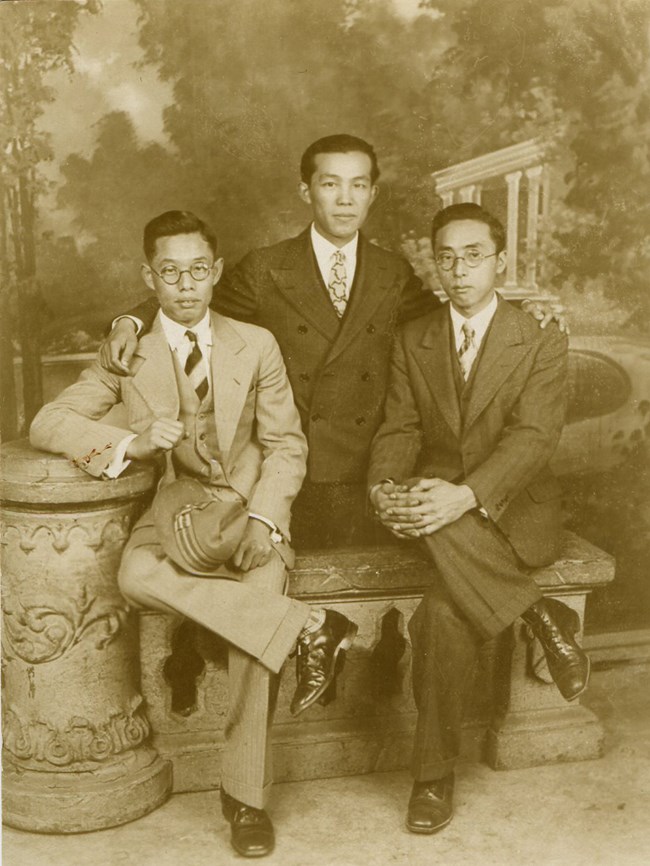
[499, 440]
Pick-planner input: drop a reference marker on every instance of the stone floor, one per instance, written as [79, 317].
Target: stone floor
[595, 813]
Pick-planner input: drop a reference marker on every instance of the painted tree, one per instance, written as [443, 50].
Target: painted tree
[35, 38]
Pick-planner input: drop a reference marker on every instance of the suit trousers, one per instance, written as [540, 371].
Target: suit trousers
[260, 625]
[478, 590]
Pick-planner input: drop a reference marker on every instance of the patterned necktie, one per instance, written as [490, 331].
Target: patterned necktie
[468, 351]
[195, 368]
[337, 285]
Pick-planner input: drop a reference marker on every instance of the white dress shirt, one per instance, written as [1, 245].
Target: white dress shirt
[480, 323]
[324, 250]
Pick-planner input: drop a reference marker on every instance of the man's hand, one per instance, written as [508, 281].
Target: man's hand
[163, 434]
[426, 505]
[117, 349]
[545, 312]
[255, 548]
[385, 497]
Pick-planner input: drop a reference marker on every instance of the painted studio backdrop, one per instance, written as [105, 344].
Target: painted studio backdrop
[114, 111]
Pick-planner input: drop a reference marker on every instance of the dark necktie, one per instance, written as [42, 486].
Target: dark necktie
[195, 368]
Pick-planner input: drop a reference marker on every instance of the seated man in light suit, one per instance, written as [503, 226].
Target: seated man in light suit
[210, 396]
[474, 411]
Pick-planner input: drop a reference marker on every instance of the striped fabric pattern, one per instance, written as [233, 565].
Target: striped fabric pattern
[195, 368]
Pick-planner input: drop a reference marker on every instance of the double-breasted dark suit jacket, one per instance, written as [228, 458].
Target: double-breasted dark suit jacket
[497, 437]
[338, 368]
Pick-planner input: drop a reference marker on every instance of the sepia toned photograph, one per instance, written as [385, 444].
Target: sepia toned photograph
[325, 424]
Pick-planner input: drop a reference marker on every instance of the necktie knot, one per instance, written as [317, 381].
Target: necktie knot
[468, 332]
[191, 336]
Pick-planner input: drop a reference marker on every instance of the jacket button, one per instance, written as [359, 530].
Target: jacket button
[316, 417]
[202, 437]
[302, 329]
[360, 420]
[304, 377]
[371, 329]
[365, 376]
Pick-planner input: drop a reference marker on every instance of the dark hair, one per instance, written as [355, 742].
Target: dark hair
[341, 143]
[175, 222]
[469, 211]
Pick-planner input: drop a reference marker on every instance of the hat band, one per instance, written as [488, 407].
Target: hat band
[188, 542]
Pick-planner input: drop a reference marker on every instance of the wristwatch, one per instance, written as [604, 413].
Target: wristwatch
[276, 535]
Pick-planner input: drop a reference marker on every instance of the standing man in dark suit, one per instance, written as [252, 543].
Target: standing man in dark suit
[474, 411]
[332, 300]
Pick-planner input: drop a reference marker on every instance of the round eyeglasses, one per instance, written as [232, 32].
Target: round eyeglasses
[472, 258]
[170, 274]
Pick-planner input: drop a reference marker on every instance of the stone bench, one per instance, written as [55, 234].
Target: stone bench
[517, 718]
[88, 743]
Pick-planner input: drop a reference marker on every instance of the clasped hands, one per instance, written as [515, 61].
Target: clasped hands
[420, 506]
[163, 434]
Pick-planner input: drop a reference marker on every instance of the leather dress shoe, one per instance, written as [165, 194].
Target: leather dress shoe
[555, 625]
[320, 658]
[251, 830]
[430, 805]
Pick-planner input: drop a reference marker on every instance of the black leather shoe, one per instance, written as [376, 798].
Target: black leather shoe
[430, 806]
[251, 830]
[320, 659]
[555, 625]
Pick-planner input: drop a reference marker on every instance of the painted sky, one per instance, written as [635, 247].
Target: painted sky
[107, 78]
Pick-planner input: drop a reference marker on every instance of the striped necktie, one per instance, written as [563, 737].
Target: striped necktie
[195, 368]
[468, 350]
[338, 283]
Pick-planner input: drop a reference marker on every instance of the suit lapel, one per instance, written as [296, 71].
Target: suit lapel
[433, 356]
[504, 349]
[231, 377]
[298, 282]
[153, 373]
[372, 281]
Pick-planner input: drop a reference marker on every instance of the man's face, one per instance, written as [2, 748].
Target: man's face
[185, 302]
[340, 193]
[469, 289]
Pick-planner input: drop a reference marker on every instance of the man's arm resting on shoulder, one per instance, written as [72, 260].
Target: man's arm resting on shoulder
[416, 299]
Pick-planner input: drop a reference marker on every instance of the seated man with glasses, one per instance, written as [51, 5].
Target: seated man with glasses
[209, 398]
[474, 411]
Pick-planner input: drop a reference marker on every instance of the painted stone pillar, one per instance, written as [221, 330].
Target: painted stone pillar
[76, 739]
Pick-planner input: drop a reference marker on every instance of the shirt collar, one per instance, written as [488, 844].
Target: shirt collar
[324, 249]
[480, 322]
[175, 333]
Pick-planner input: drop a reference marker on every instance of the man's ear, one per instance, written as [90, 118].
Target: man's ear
[217, 270]
[502, 259]
[374, 192]
[303, 192]
[147, 276]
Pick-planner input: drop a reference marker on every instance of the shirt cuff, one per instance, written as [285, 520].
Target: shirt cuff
[137, 322]
[119, 462]
[276, 535]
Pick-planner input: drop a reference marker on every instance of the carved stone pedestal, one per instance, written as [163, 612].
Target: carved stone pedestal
[76, 749]
[514, 718]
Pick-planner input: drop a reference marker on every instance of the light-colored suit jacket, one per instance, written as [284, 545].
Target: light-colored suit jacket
[499, 440]
[262, 449]
[338, 368]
